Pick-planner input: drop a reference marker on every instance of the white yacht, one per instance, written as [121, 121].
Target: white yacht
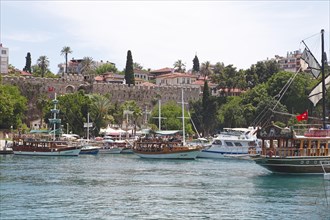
[233, 143]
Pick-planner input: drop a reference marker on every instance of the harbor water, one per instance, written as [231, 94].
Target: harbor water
[127, 187]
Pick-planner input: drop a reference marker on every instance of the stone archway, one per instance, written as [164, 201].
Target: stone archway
[70, 89]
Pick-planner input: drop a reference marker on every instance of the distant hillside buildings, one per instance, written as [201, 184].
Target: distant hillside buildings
[4, 59]
[292, 62]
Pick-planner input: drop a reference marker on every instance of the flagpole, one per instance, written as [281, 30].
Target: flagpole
[323, 79]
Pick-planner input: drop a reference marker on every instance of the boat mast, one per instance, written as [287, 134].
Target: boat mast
[54, 137]
[88, 126]
[323, 79]
[183, 127]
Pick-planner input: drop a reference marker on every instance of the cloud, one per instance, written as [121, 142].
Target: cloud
[160, 32]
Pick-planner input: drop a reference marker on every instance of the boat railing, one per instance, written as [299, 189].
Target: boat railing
[294, 151]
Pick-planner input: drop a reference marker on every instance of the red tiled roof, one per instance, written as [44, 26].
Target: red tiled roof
[176, 75]
[148, 84]
[141, 71]
[163, 70]
[99, 78]
[24, 73]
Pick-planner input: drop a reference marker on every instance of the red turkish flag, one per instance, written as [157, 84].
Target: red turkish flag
[302, 116]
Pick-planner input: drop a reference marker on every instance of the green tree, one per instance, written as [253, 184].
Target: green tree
[206, 69]
[65, 51]
[43, 63]
[136, 112]
[88, 69]
[209, 111]
[74, 108]
[12, 107]
[179, 66]
[137, 66]
[27, 67]
[173, 114]
[100, 111]
[195, 64]
[129, 72]
[107, 67]
[41, 104]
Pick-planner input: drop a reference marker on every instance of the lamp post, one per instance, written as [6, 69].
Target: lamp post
[67, 128]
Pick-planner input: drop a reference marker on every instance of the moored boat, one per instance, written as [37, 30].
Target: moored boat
[286, 152]
[163, 147]
[300, 151]
[48, 144]
[234, 143]
[157, 148]
[35, 146]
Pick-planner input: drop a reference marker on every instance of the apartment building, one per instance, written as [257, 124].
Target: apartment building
[4, 59]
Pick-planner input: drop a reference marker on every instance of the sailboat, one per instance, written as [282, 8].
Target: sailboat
[166, 148]
[298, 151]
[47, 144]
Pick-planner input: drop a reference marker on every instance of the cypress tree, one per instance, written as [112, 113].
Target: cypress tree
[129, 72]
[27, 67]
[195, 64]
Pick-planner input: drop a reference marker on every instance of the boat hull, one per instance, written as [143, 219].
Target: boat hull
[293, 165]
[219, 153]
[69, 152]
[89, 151]
[111, 150]
[188, 155]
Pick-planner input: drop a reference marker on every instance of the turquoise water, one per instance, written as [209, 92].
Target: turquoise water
[126, 187]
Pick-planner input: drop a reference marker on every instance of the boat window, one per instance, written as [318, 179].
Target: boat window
[238, 144]
[229, 144]
[217, 142]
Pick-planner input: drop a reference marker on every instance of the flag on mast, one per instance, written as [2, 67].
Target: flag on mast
[314, 66]
[302, 116]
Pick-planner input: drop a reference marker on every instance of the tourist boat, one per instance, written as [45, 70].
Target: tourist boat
[160, 147]
[295, 150]
[285, 151]
[233, 143]
[37, 146]
[45, 144]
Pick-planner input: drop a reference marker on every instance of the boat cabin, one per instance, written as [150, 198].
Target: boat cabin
[283, 142]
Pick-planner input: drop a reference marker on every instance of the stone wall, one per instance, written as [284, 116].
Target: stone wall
[143, 95]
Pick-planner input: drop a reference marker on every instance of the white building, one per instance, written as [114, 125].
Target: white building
[4, 59]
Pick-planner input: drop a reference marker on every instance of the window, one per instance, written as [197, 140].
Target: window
[237, 144]
[229, 144]
[3, 52]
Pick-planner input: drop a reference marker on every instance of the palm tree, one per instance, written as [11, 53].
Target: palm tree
[43, 63]
[135, 109]
[65, 51]
[180, 66]
[100, 108]
[206, 69]
[88, 68]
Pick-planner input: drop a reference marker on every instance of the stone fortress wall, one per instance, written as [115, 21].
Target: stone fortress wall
[143, 95]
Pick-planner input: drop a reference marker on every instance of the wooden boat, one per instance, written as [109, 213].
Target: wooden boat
[48, 144]
[157, 148]
[299, 151]
[35, 146]
[166, 148]
[283, 151]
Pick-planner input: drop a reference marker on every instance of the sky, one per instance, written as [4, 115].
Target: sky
[159, 33]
